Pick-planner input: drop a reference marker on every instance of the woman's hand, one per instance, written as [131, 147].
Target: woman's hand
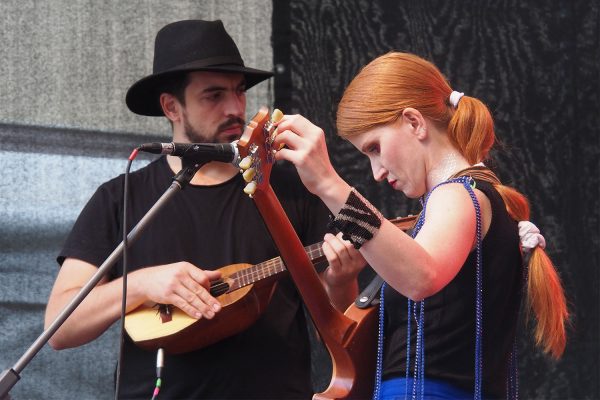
[345, 262]
[339, 279]
[306, 148]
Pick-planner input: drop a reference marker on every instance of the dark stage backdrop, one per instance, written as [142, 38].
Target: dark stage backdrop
[535, 64]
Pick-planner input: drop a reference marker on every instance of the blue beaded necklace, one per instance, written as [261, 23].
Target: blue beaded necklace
[417, 310]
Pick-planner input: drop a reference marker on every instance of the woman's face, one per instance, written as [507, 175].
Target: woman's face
[396, 155]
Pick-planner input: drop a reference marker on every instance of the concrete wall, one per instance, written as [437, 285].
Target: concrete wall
[64, 129]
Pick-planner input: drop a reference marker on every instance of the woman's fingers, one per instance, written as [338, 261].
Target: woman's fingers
[345, 261]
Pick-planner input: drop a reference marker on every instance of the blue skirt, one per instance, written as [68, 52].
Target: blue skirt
[396, 389]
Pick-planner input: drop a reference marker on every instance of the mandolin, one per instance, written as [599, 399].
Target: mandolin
[244, 291]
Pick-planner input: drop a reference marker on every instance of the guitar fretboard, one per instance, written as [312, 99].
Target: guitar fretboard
[271, 267]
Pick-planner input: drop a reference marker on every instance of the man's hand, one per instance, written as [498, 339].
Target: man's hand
[182, 285]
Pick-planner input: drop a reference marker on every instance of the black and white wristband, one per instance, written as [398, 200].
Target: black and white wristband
[358, 220]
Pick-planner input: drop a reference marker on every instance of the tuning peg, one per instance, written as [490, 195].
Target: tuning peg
[250, 188]
[276, 115]
[249, 174]
[246, 163]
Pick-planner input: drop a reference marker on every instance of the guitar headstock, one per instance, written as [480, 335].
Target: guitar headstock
[256, 150]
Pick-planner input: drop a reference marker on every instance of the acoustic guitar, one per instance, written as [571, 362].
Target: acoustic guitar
[350, 337]
[245, 290]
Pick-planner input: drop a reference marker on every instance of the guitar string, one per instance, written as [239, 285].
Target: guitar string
[270, 267]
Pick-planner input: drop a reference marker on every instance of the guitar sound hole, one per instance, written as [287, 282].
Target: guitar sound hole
[164, 310]
[218, 287]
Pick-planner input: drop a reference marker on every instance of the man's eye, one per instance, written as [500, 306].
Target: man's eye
[215, 96]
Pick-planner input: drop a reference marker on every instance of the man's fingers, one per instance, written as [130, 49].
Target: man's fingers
[194, 292]
[196, 304]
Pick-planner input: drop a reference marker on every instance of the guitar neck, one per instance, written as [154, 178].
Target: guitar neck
[299, 265]
[269, 268]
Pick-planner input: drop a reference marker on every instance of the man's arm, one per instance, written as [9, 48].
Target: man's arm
[96, 313]
[181, 284]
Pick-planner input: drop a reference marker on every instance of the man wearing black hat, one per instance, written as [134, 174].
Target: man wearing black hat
[198, 82]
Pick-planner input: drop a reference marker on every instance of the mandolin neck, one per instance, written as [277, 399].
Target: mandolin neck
[276, 266]
[272, 267]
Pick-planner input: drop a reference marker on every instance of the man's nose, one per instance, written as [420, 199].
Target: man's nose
[236, 105]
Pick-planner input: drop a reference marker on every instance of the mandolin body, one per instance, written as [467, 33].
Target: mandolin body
[181, 333]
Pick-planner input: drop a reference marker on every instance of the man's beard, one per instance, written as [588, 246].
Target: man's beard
[194, 136]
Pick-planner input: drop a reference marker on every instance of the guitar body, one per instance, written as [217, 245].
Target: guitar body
[354, 362]
[362, 345]
[182, 333]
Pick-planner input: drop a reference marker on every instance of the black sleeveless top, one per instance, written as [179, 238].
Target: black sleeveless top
[449, 333]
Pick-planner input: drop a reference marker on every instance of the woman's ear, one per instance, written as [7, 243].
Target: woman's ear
[416, 121]
[170, 106]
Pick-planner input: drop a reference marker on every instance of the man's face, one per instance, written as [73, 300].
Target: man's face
[215, 107]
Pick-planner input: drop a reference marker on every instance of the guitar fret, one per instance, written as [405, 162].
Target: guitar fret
[259, 271]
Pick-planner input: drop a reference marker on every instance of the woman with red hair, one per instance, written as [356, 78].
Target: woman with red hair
[453, 289]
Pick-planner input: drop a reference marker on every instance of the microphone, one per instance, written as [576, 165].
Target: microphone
[196, 152]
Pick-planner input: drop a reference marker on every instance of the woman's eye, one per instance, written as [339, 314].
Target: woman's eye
[372, 149]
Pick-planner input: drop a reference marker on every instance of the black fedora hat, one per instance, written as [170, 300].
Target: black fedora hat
[191, 45]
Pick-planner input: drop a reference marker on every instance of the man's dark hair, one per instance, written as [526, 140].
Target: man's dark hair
[175, 85]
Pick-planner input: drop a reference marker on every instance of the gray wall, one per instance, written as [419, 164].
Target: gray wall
[64, 129]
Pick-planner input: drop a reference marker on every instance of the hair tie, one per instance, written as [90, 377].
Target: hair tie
[530, 236]
[455, 98]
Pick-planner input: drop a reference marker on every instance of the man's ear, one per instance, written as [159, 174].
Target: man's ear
[415, 120]
[170, 106]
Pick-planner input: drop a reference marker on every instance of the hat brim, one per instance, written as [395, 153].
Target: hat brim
[143, 97]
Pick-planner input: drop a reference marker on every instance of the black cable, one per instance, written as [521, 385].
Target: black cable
[124, 299]
[183, 178]
[160, 363]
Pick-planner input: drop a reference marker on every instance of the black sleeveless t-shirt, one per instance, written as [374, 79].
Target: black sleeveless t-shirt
[449, 326]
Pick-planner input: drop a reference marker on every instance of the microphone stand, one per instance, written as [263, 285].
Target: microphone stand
[9, 377]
